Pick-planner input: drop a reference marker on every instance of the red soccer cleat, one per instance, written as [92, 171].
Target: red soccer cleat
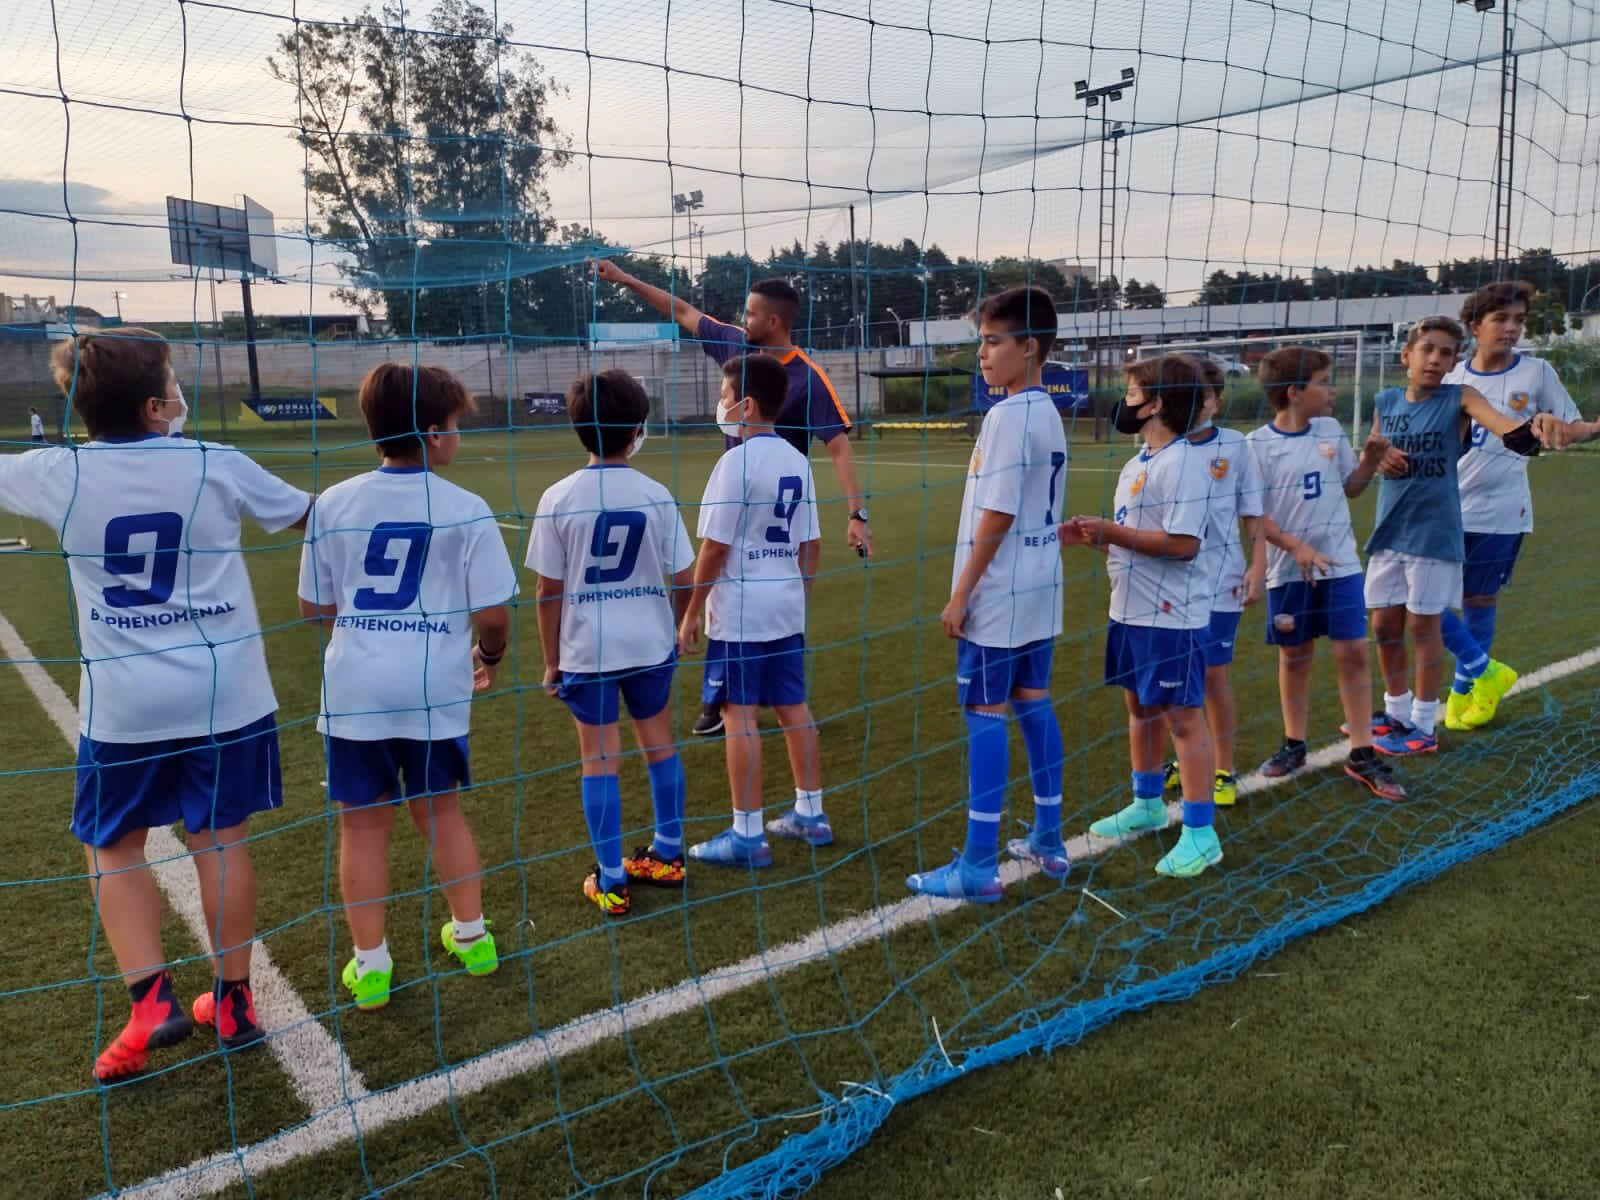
[156, 1022]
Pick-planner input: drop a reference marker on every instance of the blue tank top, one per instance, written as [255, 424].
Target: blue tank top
[1421, 513]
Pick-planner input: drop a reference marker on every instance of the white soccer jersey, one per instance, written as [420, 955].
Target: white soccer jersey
[167, 622]
[1494, 482]
[1235, 487]
[1302, 478]
[35, 425]
[613, 537]
[1019, 467]
[1168, 490]
[405, 557]
[761, 501]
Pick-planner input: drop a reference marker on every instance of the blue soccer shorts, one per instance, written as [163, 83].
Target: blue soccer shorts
[1490, 559]
[595, 698]
[1297, 612]
[989, 674]
[1161, 667]
[399, 768]
[770, 674]
[205, 782]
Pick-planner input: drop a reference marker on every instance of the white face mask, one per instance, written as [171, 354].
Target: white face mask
[175, 426]
[726, 421]
[1201, 426]
[638, 442]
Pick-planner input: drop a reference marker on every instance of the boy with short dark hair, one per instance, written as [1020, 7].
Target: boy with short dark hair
[1312, 572]
[402, 564]
[1416, 549]
[1160, 608]
[604, 541]
[176, 709]
[1496, 503]
[1235, 498]
[759, 546]
[1005, 598]
[35, 427]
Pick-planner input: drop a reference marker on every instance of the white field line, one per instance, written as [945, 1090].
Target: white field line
[362, 1115]
[321, 1074]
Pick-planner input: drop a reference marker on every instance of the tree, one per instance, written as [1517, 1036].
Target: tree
[1143, 295]
[1547, 316]
[428, 154]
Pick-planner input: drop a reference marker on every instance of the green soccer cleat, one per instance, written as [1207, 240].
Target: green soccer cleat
[371, 990]
[1139, 817]
[478, 957]
[1196, 850]
[1455, 711]
[1488, 690]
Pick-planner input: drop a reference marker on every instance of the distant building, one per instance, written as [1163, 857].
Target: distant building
[1073, 271]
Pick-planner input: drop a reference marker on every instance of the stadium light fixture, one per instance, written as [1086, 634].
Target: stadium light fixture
[1092, 97]
[1480, 5]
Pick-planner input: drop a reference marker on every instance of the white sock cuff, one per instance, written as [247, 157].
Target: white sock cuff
[468, 930]
[1047, 801]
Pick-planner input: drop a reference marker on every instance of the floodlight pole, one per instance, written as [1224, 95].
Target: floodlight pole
[855, 319]
[216, 357]
[688, 204]
[1106, 249]
[1505, 157]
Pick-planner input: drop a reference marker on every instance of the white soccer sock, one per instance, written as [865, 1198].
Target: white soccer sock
[376, 959]
[468, 931]
[1424, 714]
[747, 824]
[1398, 707]
[808, 804]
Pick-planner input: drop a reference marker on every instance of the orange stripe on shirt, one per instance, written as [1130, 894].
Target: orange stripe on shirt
[826, 382]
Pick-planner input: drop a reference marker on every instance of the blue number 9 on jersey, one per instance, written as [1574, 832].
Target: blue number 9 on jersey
[603, 544]
[790, 489]
[396, 548]
[161, 562]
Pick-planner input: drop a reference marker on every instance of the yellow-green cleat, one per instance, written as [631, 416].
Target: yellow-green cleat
[1488, 690]
[478, 957]
[1225, 793]
[370, 989]
[1455, 710]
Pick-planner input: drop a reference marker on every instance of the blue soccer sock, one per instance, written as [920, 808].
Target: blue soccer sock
[1198, 814]
[1149, 786]
[602, 812]
[1480, 623]
[1041, 735]
[988, 765]
[1470, 657]
[666, 792]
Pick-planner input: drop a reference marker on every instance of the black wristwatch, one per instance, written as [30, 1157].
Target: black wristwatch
[860, 514]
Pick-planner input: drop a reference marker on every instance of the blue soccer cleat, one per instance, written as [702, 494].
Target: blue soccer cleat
[1045, 851]
[813, 831]
[958, 881]
[728, 849]
[1404, 740]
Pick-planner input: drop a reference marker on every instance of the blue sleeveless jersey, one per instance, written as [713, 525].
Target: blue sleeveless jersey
[1421, 513]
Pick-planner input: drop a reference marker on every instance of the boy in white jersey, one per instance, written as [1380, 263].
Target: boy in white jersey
[1235, 497]
[1496, 504]
[1312, 573]
[605, 539]
[402, 563]
[759, 546]
[1416, 548]
[35, 427]
[1160, 607]
[175, 706]
[1005, 598]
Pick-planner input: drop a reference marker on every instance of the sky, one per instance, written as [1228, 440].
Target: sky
[1266, 136]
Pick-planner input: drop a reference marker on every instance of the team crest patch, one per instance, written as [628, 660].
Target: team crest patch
[1519, 401]
[1138, 485]
[1327, 450]
[1219, 468]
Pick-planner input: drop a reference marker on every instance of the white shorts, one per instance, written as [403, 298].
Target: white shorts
[1426, 586]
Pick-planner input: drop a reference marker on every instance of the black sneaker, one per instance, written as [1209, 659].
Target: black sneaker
[709, 722]
[1365, 767]
[1289, 759]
